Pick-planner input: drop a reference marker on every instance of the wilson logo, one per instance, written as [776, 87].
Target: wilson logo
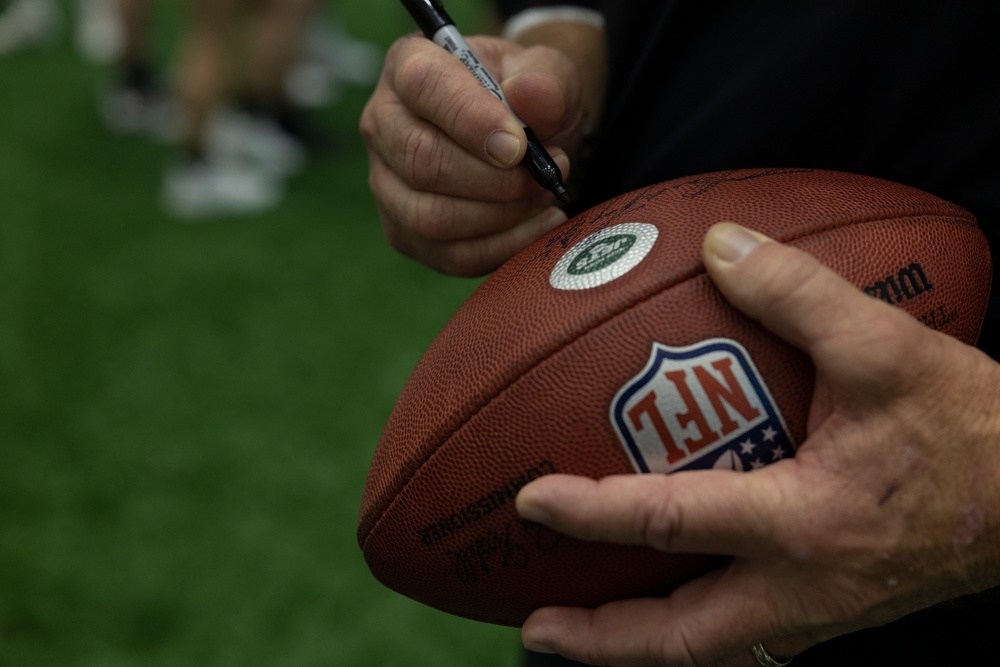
[696, 407]
[909, 283]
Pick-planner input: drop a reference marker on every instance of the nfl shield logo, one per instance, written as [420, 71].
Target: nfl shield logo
[699, 407]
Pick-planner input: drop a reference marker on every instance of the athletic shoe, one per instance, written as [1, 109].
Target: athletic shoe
[28, 23]
[100, 36]
[330, 58]
[347, 58]
[128, 110]
[195, 190]
[243, 138]
[311, 85]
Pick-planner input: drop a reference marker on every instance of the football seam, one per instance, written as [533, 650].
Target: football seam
[950, 212]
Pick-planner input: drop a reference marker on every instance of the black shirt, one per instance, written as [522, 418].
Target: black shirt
[902, 91]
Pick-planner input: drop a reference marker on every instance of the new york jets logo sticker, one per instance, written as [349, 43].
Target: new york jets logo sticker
[604, 256]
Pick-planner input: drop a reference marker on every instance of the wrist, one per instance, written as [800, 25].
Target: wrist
[529, 19]
[579, 34]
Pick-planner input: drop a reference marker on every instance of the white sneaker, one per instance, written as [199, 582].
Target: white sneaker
[206, 189]
[237, 137]
[330, 58]
[347, 58]
[129, 111]
[310, 85]
[27, 23]
[100, 36]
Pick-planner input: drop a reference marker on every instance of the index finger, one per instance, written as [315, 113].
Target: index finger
[711, 512]
[437, 87]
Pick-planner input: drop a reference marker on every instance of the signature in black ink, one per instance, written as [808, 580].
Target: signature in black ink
[701, 185]
[571, 233]
[543, 539]
[496, 550]
[688, 189]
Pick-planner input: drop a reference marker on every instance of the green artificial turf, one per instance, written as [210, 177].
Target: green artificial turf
[187, 411]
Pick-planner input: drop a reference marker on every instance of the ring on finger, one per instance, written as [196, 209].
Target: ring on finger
[765, 659]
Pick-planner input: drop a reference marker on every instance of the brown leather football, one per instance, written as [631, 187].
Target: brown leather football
[604, 348]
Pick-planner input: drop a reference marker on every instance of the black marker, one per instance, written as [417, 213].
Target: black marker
[438, 27]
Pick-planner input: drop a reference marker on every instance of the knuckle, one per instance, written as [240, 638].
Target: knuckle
[414, 75]
[892, 352]
[678, 652]
[393, 53]
[843, 604]
[464, 260]
[427, 217]
[398, 53]
[375, 127]
[367, 125]
[442, 94]
[660, 522]
[396, 240]
[846, 592]
[394, 234]
[456, 107]
[784, 282]
[423, 162]
[515, 186]
[375, 185]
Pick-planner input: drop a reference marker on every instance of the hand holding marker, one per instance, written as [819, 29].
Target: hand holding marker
[435, 23]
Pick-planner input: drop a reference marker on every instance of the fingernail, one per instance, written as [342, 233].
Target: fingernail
[537, 647]
[731, 243]
[531, 511]
[503, 147]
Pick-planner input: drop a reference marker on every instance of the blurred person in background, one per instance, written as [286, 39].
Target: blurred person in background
[330, 57]
[233, 59]
[28, 23]
[119, 32]
[244, 72]
[244, 133]
[100, 29]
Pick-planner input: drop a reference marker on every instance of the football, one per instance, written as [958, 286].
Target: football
[604, 348]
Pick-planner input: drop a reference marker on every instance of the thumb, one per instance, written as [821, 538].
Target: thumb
[793, 294]
[542, 88]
